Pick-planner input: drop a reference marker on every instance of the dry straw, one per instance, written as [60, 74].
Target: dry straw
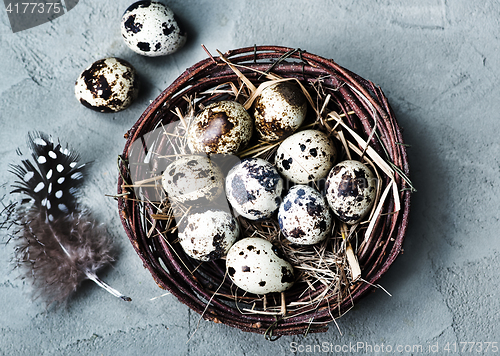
[331, 275]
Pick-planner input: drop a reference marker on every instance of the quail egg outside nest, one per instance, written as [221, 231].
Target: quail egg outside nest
[151, 29]
[107, 85]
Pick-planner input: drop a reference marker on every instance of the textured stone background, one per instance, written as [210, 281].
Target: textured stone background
[437, 61]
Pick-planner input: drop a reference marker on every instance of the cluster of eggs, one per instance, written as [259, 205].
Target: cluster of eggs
[256, 188]
[148, 28]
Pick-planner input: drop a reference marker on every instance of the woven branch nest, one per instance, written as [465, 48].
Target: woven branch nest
[364, 126]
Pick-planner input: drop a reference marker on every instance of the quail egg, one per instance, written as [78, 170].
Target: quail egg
[304, 216]
[192, 178]
[305, 156]
[151, 29]
[223, 127]
[108, 85]
[350, 190]
[279, 110]
[253, 188]
[257, 266]
[207, 235]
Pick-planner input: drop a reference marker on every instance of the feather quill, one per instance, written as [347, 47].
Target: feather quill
[59, 245]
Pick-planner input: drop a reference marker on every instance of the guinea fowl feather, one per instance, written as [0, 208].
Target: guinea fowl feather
[59, 245]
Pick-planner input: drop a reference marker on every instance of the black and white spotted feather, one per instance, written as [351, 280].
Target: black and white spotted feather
[58, 243]
[53, 180]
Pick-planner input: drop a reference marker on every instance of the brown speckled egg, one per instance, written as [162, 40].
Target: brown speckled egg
[108, 85]
[350, 190]
[305, 156]
[207, 235]
[223, 127]
[193, 178]
[151, 29]
[257, 266]
[279, 110]
[304, 216]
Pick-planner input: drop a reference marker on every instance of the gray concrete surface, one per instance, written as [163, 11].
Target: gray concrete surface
[437, 61]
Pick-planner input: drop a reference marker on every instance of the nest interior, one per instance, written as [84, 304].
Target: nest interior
[354, 111]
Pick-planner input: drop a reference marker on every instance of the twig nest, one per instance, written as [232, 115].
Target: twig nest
[306, 156]
[192, 178]
[107, 85]
[151, 29]
[223, 127]
[279, 110]
[253, 188]
[334, 275]
[257, 266]
[350, 190]
[304, 217]
[207, 235]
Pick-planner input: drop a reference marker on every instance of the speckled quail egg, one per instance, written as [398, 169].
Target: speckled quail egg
[279, 110]
[304, 216]
[207, 235]
[107, 85]
[150, 28]
[253, 188]
[192, 178]
[350, 190]
[222, 127]
[306, 156]
[257, 266]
